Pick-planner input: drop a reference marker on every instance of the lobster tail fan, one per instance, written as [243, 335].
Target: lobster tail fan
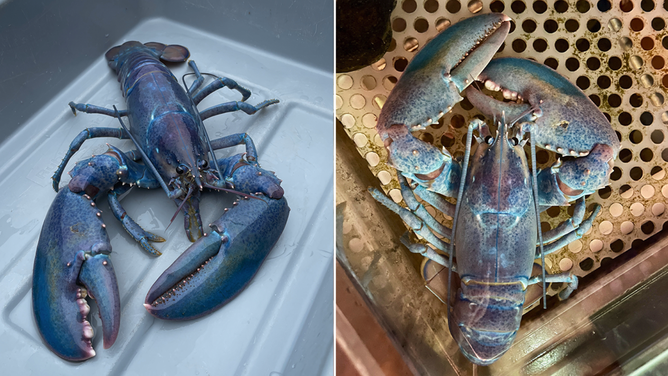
[111, 57]
[172, 53]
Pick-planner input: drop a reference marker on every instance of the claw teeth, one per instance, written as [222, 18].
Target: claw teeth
[87, 330]
[84, 308]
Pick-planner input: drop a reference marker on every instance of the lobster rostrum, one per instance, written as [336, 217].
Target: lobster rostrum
[174, 153]
[495, 236]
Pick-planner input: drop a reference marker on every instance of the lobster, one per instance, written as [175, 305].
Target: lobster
[495, 235]
[174, 152]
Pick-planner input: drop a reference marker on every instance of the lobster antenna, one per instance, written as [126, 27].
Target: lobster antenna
[523, 114]
[183, 79]
[206, 134]
[475, 82]
[213, 155]
[462, 181]
[244, 195]
[143, 155]
[535, 202]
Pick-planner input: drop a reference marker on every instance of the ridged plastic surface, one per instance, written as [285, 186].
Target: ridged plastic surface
[282, 323]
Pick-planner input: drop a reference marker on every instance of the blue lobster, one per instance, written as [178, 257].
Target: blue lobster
[174, 153]
[495, 236]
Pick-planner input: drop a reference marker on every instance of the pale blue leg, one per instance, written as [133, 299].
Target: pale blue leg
[424, 250]
[235, 106]
[568, 225]
[140, 235]
[86, 134]
[419, 210]
[568, 278]
[574, 234]
[93, 109]
[234, 140]
[412, 220]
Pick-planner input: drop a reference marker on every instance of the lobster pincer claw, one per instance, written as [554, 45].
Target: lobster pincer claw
[219, 265]
[72, 263]
[433, 81]
[566, 121]
[248, 177]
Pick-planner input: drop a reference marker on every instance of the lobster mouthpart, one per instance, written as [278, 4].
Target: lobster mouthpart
[72, 263]
[219, 265]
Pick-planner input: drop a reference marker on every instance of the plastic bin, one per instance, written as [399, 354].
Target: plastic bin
[52, 53]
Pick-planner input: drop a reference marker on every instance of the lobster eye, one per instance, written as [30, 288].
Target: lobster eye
[489, 140]
[203, 164]
[514, 141]
[180, 170]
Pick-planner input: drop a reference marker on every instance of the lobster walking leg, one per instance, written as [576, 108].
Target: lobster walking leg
[571, 236]
[235, 106]
[84, 135]
[219, 83]
[568, 225]
[568, 278]
[93, 109]
[140, 235]
[413, 220]
[424, 250]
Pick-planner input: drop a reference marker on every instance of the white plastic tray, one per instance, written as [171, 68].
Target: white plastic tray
[282, 323]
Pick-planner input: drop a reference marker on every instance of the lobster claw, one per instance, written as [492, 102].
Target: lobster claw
[431, 85]
[71, 263]
[219, 265]
[567, 122]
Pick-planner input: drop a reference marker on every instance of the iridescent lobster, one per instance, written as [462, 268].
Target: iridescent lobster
[173, 152]
[495, 235]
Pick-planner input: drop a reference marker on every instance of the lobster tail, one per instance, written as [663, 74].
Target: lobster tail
[486, 318]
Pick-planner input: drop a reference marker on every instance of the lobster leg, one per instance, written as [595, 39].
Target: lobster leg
[220, 264]
[234, 140]
[568, 225]
[219, 83]
[84, 135]
[235, 106]
[140, 235]
[93, 109]
[418, 209]
[412, 220]
[568, 278]
[199, 79]
[574, 234]
[424, 250]
[435, 200]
